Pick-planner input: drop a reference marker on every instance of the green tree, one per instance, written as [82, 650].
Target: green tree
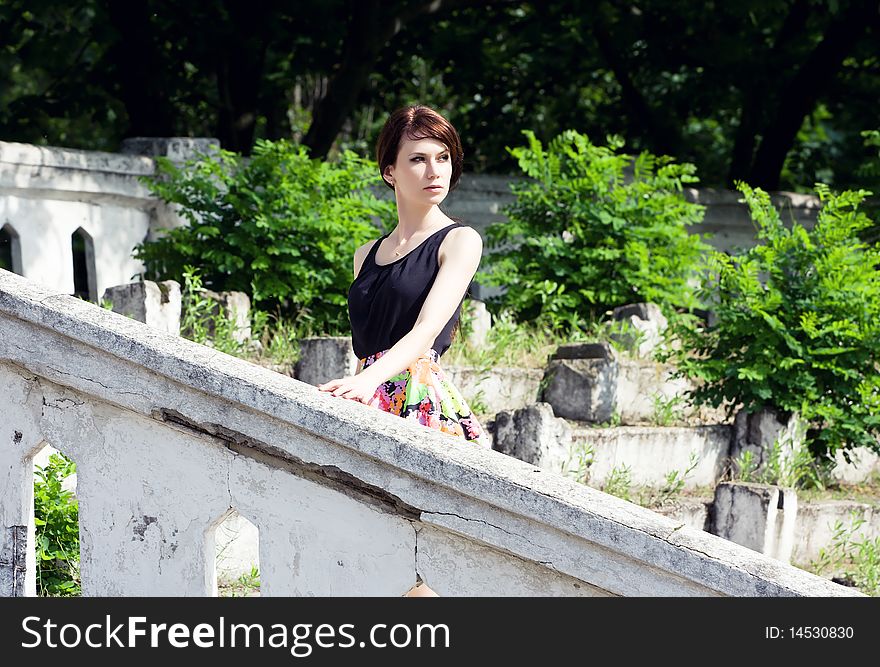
[772, 93]
[280, 226]
[798, 324]
[583, 237]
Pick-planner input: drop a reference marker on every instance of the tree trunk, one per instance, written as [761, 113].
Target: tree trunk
[141, 69]
[371, 27]
[801, 94]
[661, 134]
[242, 57]
[757, 92]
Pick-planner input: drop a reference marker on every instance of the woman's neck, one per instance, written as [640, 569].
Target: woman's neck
[413, 219]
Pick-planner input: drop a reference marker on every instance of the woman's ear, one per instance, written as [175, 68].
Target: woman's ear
[388, 175]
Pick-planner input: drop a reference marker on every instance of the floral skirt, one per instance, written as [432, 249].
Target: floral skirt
[423, 394]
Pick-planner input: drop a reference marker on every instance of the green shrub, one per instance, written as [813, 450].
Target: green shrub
[280, 227]
[855, 558]
[273, 337]
[247, 584]
[581, 238]
[619, 483]
[869, 173]
[870, 168]
[203, 320]
[798, 324]
[581, 456]
[56, 517]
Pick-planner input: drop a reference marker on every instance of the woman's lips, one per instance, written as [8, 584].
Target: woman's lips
[434, 187]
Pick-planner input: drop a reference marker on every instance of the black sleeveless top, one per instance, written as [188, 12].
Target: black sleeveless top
[385, 300]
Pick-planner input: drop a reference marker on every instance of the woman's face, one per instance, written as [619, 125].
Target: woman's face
[422, 171]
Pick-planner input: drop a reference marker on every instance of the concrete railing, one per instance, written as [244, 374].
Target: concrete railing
[169, 437]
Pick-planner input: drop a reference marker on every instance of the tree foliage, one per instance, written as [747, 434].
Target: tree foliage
[280, 226]
[775, 94]
[56, 518]
[584, 236]
[798, 324]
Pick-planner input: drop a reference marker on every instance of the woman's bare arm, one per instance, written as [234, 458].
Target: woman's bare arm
[459, 257]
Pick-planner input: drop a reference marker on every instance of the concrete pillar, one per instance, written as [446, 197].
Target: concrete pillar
[756, 516]
[648, 324]
[235, 306]
[325, 358]
[535, 435]
[581, 382]
[155, 304]
[758, 432]
[481, 322]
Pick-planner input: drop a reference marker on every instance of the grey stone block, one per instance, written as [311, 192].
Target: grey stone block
[582, 389]
[325, 358]
[585, 351]
[175, 148]
[693, 512]
[533, 434]
[652, 453]
[500, 389]
[757, 516]
[862, 464]
[237, 307]
[816, 523]
[481, 322]
[644, 311]
[757, 432]
[155, 304]
[648, 324]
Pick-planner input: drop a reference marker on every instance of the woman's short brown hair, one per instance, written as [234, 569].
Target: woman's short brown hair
[418, 122]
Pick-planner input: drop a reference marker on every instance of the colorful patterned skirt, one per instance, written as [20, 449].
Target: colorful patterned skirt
[423, 394]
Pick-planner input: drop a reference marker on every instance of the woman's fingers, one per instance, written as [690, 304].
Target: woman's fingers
[342, 389]
[347, 388]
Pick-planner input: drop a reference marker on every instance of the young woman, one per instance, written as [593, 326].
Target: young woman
[409, 285]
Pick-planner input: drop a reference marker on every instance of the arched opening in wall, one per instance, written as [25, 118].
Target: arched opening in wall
[84, 283]
[55, 525]
[10, 249]
[236, 545]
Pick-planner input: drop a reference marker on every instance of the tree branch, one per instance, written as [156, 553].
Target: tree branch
[803, 91]
[756, 89]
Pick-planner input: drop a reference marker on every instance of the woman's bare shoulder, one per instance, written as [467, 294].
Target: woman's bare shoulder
[463, 236]
[361, 254]
[365, 248]
[465, 231]
[462, 243]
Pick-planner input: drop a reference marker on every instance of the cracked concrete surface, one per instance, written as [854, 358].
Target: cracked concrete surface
[194, 432]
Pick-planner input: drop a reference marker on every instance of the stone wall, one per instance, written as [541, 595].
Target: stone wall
[48, 193]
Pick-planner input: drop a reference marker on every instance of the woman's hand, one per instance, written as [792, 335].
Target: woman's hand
[359, 387]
